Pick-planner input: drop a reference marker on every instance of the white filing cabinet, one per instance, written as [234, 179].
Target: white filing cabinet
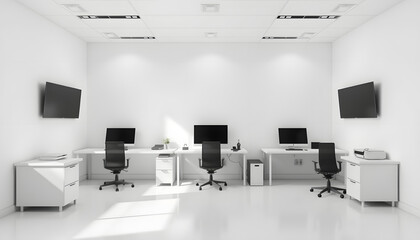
[372, 180]
[165, 170]
[47, 183]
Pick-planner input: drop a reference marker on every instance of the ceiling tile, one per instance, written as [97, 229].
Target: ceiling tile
[46, 7]
[201, 32]
[127, 32]
[349, 21]
[193, 7]
[314, 7]
[207, 21]
[372, 7]
[102, 7]
[290, 32]
[67, 21]
[115, 23]
[302, 23]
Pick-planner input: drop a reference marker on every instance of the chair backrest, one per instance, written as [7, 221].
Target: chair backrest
[327, 161]
[211, 155]
[114, 155]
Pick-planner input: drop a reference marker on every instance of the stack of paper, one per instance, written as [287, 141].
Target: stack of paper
[53, 156]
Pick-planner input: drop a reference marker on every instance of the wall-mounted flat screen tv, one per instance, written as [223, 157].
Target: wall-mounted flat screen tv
[358, 101]
[61, 101]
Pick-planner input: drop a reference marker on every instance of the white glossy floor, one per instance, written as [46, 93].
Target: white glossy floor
[286, 210]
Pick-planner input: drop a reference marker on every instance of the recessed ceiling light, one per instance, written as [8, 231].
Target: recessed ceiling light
[307, 35]
[74, 8]
[343, 7]
[210, 8]
[111, 35]
[211, 34]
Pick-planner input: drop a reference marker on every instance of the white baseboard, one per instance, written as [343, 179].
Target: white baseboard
[125, 176]
[6, 211]
[408, 208]
[216, 176]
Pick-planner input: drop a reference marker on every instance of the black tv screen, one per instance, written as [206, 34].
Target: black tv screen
[125, 135]
[204, 133]
[61, 101]
[293, 136]
[358, 101]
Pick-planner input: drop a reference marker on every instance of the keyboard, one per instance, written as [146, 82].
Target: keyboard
[294, 149]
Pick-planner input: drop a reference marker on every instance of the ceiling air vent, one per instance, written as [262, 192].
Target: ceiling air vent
[109, 17]
[308, 17]
[137, 37]
[280, 38]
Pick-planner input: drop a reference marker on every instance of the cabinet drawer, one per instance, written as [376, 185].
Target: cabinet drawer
[71, 192]
[165, 163]
[353, 171]
[71, 174]
[353, 188]
[164, 176]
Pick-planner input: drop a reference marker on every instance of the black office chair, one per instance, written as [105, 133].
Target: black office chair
[211, 161]
[328, 167]
[115, 161]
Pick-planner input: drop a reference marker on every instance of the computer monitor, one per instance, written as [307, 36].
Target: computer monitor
[125, 135]
[204, 133]
[292, 137]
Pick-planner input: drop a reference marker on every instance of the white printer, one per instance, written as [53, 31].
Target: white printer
[369, 154]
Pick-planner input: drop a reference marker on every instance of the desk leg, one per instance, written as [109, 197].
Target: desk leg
[244, 168]
[177, 169]
[269, 170]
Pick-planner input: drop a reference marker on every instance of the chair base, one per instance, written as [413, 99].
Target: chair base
[116, 182]
[211, 181]
[329, 188]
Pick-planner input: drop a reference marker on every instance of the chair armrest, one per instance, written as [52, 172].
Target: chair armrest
[104, 161]
[339, 165]
[316, 166]
[200, 162]
[128, 163]
[222, 162]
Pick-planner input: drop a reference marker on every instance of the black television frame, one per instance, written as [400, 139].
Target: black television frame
[126, 135]
[61, 101]
[358, 101]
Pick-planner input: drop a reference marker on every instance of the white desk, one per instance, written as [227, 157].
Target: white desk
[281, 151]
[145, 151]
[224, 151]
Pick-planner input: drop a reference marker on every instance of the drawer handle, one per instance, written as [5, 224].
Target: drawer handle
[256, 165]
[352, 181]
[72, 184]
[351, 164]
[72, 166]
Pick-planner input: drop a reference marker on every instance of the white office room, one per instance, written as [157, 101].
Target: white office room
[209, 119]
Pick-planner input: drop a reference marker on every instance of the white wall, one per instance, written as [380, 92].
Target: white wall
[34, 51]
[164, 89]
[385, 50]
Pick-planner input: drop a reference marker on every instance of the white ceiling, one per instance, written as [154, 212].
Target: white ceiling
[184, 20]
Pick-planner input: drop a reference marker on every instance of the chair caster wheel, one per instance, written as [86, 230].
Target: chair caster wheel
[220, 188]
[319, 195]
[225, 184]
[100, 188]
[344, 191]
[104, 182]
[117, 190]
[311, 190]
[132, 185]
[197, 184]
[200, 188]
[211, 184]
[342, 196]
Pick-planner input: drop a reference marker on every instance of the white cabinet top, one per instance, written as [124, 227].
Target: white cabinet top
[43, 163]
[360, 161]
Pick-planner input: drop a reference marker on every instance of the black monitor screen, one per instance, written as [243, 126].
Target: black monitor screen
[204, 133]
[358, 101]
[293, 136]
[125, 135]
[61, 101]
